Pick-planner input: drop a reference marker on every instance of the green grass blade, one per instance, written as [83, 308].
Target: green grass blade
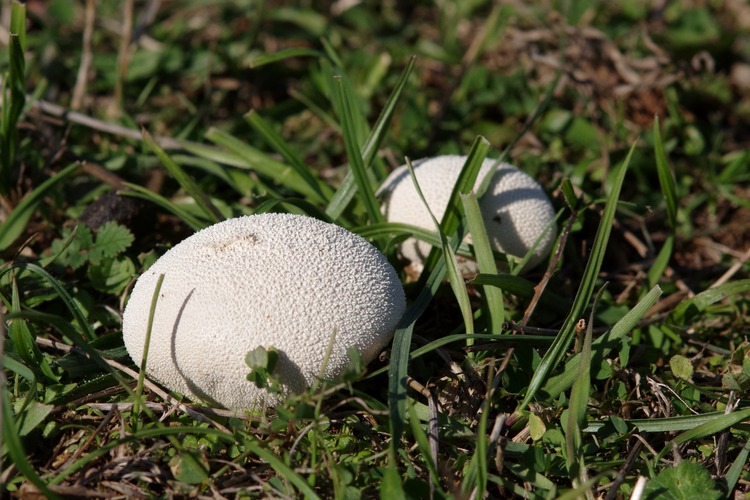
[578, 403]
[19, 368]
[15, 224]
[553, 357]
[348, 188]
[137, 191]
[338, 78]
[263, 59]
[397, 374]
[398, 367]
[245, 156]
[602, 346]
[666, 178]
[464, 184]
[146, 344]
[15, 448]
[738, 466]
[13, 96]
[662, 425]
[451, 264]
[660, 263]
[690, 308]
[716, 425]
[183, 179]
[323, 191]
[361, 177]
[424, 446]
[493, 296]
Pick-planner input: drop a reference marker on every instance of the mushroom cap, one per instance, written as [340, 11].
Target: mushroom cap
[274, 280]
[515, 209]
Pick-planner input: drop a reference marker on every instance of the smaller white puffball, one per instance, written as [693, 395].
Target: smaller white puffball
[515, 209]
[279, 281]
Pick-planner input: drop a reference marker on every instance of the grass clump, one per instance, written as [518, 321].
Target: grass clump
[619, 371]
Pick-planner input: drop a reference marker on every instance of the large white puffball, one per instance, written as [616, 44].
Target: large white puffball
[274, 280]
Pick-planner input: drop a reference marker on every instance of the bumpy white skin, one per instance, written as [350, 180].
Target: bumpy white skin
[271, 280]
[515, 208]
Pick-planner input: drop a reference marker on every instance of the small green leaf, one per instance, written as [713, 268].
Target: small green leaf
[34, 415]
[681, 367]
[112, 239]
[189, 470]
[536, 427]
[111, 275]
[687, 481]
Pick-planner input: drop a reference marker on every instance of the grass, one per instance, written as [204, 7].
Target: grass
[619, 370]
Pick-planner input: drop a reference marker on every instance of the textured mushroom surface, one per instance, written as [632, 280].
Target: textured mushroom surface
[274, 280]
[515, 209]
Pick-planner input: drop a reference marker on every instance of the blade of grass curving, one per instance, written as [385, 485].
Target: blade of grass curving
[141, 192]
[718, 424]
[13, 96]
[245, 156]
[688, 309]
[361, 177]
[397, 374]
[183, 179]
[15, 224]
[389, 229]
[348, 188]
[455, 278]
[667, 183]
[578, 404]
[21, 369]
[322, 191]
[424, 447]
[475, 480]
[738, 466]
[464, 184]
[146, 343]
[263, 59]
[398, 367]
[555, 354]
[661, 425]
[23, 339]
[660, 263]
[666, 178]
[493, 296]
[603, 345]
[15, 449]
[330, 50]
[80, 319]
[338, 78]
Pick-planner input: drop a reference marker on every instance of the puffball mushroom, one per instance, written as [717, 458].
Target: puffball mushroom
[280, 281]
[515, 209]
